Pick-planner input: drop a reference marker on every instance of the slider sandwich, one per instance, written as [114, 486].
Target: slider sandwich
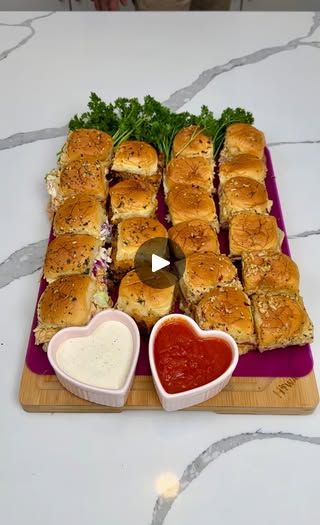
[82, 214]
[202, 272]
[132, 234]
[242, 194]
[192, 142]
[281, 320]
[242, 166]
[243, 139]
[86, 177]
[87, 144]
[186, 203]
[269, 272]
[196, 172]
[78, 255]
[195, 236]
[69, 301]
[228, 309]
[135, 159]
[147, 296]
[132, 198]
[251, 232]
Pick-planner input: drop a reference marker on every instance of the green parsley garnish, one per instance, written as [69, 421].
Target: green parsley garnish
[154, 123]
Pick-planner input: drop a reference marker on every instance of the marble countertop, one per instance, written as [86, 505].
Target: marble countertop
[152, 467]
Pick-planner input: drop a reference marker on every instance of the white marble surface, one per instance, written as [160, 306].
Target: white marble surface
[109, 468]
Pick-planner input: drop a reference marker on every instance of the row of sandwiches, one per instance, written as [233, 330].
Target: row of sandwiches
[262, 310]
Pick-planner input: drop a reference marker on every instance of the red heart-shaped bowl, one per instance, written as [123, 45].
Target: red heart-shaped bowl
[199, 394]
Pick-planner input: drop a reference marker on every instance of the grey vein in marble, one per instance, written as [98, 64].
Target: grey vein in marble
[180, 97]
[25, 23]
[19, 139]
[22, 262]
[308, 233]
[213, 452]
[289, 142]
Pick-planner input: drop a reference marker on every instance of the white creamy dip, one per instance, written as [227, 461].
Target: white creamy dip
[100, 359]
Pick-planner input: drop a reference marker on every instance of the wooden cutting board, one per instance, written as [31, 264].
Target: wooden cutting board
[251, 395]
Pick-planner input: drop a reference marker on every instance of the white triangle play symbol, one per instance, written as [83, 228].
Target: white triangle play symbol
[157, 263]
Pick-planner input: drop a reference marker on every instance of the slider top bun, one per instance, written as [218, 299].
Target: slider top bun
[147, 296]
[240, 194]
[137, 157]
[227, 309]
[269, 272]
[134, 232]
[67, 302]
[132, 198]
[281, 320]
[70, 254]
[242, 166]
[243, 138]
[251, 232]
[186, 203]
[205, 271]
[195, 236]
[88, 177]
[79, 214]
[190, 171]
[185, 145]
[87, 144]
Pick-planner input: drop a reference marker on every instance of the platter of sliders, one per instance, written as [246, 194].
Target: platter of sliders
[167, 281]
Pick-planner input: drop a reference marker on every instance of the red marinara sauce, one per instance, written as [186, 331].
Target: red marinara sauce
[184, 360]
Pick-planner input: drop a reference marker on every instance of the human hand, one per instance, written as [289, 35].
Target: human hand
[108, 5]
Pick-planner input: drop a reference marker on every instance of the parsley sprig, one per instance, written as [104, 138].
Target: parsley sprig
[152, 122]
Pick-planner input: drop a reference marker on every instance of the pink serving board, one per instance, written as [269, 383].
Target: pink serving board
[293, 361]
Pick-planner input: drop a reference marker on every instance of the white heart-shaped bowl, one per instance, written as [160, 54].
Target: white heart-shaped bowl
[103, 396]
[202, 393]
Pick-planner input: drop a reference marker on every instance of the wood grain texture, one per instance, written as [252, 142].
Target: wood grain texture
[251, 395]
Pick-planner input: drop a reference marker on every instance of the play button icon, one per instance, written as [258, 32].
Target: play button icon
[157, 263]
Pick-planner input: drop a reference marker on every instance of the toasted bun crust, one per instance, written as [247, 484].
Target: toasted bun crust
[132, 234]
[136, 157]
[242, 166]
[138, 230]
[87, 144]
[187, 203]
[70, 254]
[241, 194]
[85, 177]
[269, 272]
[132, 198]
[281, 320]
[209, 269]
[191, 171]
[144, 302]
[251, 232]
[66, 302]
[227, 309]
[243, 138]
[184, 146]
[196, 236]
[205, 271]
[82, 214]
